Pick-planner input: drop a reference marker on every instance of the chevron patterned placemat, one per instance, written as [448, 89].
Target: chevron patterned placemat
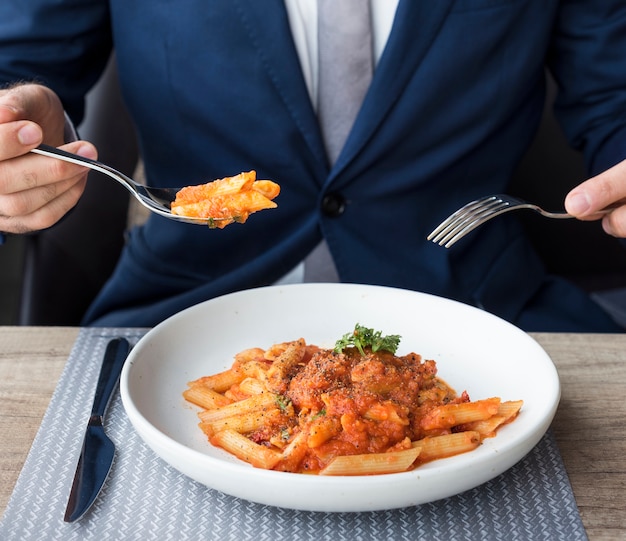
[144, 499]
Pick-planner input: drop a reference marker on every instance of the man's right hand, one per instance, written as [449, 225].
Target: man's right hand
[35, 191]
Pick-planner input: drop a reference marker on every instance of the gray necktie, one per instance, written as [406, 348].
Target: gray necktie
[345, 67]
[345, 72]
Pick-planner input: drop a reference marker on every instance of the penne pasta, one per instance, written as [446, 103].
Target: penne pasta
[246, 450]
[433, 448]
[226, 200]
[278, 373]
[510, 409]
[372, 464]
[220, 187]
[205, 397]
[249, 355]
[252, 386]
[449, 415]
[242, 423]
[321, 430]
[219, 382]
[254, 403]
[486, 427]
[506, 413]
[295, 407]
[293, 453]
[253, 369]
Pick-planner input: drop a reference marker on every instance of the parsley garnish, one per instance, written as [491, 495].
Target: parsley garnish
[282, 402]
[361, 337]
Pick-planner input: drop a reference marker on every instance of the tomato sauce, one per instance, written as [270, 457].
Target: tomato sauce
[349, 403]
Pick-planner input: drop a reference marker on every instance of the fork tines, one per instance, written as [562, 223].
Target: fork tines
[467, 218]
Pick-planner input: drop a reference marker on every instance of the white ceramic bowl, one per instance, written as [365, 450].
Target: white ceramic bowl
[474, 351]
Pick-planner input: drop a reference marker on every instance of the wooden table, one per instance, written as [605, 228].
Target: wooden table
[590, 424]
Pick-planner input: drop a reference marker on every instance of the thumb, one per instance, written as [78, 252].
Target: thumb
[608, 189]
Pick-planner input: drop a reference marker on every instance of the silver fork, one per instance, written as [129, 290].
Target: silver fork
[476, 213]
[157, 200]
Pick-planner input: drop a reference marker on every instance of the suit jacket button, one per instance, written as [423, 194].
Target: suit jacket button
[333, 205]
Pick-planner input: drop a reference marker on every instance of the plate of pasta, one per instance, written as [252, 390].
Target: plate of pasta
[339, 397]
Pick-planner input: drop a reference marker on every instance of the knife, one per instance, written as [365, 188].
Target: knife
[98, 451]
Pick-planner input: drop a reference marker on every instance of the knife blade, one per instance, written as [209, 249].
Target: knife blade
[98, 451]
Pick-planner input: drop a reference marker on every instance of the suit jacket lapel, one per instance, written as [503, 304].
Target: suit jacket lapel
[268, 26]
[415, 26]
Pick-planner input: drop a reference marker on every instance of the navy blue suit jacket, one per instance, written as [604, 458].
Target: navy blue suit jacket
[455, 101]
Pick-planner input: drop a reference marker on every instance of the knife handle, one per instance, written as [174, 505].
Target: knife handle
[114, 357]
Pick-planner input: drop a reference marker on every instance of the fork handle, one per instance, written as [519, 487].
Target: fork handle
[59, 154]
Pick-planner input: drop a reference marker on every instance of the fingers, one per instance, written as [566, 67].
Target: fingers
[602, 197]
[18, 131]
[614, 223]
[34, 103]
[18, 137]
[589, 199]
[58, 202]
[36, 191]
[35, 171]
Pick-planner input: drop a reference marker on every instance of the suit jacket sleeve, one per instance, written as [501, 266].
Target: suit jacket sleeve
[587, 58]
[64, 45]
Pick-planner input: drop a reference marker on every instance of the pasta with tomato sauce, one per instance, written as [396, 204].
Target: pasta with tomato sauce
[226, 200]
[296, 407]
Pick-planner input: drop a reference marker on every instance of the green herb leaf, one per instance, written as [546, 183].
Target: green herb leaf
[319, 414]
[282, 402]
[361, 337]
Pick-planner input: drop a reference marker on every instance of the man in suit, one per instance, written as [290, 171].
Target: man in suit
[231, 85]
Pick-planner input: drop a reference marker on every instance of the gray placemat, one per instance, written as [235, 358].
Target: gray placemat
[145, 499]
